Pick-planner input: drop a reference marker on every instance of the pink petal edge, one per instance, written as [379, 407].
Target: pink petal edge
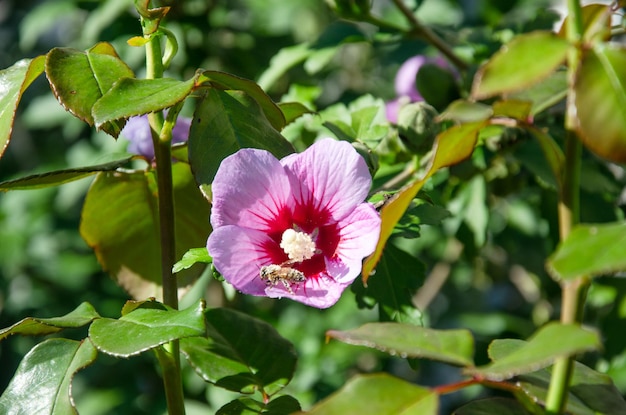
[331, 175]
[250, 189]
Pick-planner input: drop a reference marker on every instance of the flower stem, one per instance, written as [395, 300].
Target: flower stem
[162, 139]
[430, 36]
[574, 291]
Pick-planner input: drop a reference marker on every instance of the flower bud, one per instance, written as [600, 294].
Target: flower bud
[417, 124]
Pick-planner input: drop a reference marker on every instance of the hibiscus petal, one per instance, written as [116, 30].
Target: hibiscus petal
[250, 189]
[320, 292]
[238, 254]
[358, 236]
[330, 178]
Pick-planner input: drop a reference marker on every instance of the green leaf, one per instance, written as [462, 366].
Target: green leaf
[451, 147]
[378, 394]
[192, 257]
[33, 326]
[127, 245]
[464, 111]
[596, 23]
[130, 97]
[406, 340]
[512, 108]
[247, 406]
[545, 93]
[524, 61]
[43, 379]
[398, 276]
[293, 111]
[224, 123]
[58, 177]
[228, 81]
[500, 406]
[540, 351]
[590, 250]
[79, 79]
[590, 393]
[13, 82]
[600, 99]
[241, 353]
[146, 328]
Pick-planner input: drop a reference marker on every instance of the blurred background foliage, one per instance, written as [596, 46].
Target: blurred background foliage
[485, 226]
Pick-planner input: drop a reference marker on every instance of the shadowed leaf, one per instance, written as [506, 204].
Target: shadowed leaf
[241, 353]
[224, 123]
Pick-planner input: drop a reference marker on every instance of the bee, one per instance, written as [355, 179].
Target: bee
[273, 274]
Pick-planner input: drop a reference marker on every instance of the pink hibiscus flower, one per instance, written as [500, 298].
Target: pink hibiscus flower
[297, 227]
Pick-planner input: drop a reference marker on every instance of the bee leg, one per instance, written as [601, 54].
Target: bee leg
[287, 285]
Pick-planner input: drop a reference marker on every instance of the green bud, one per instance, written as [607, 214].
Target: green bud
[418, 126]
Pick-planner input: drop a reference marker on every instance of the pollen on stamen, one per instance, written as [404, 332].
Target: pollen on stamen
[299, 246]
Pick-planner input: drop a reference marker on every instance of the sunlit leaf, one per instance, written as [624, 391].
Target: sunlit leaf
[43, 379]
[600, 99]
[79, 79]
[13, 82]
[466, 111]
[58, 177]
[146, 328]
[126, 239]
[590, 250]
[378, 394]
[293, 111]
[192, 257]
[241, 353]
[524, 61]
[33, 326]
[452, 146]
[130, 97]
[540, 351]
[247, 406]
[224, 123]
[228, 81]
[512, 108]
[406, 340]
[596, 23]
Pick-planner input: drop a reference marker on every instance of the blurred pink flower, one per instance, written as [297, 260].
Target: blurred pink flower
[137, 131]
[405, 83]
[296, 227]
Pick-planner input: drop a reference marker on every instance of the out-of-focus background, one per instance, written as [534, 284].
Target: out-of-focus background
[484, 263]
